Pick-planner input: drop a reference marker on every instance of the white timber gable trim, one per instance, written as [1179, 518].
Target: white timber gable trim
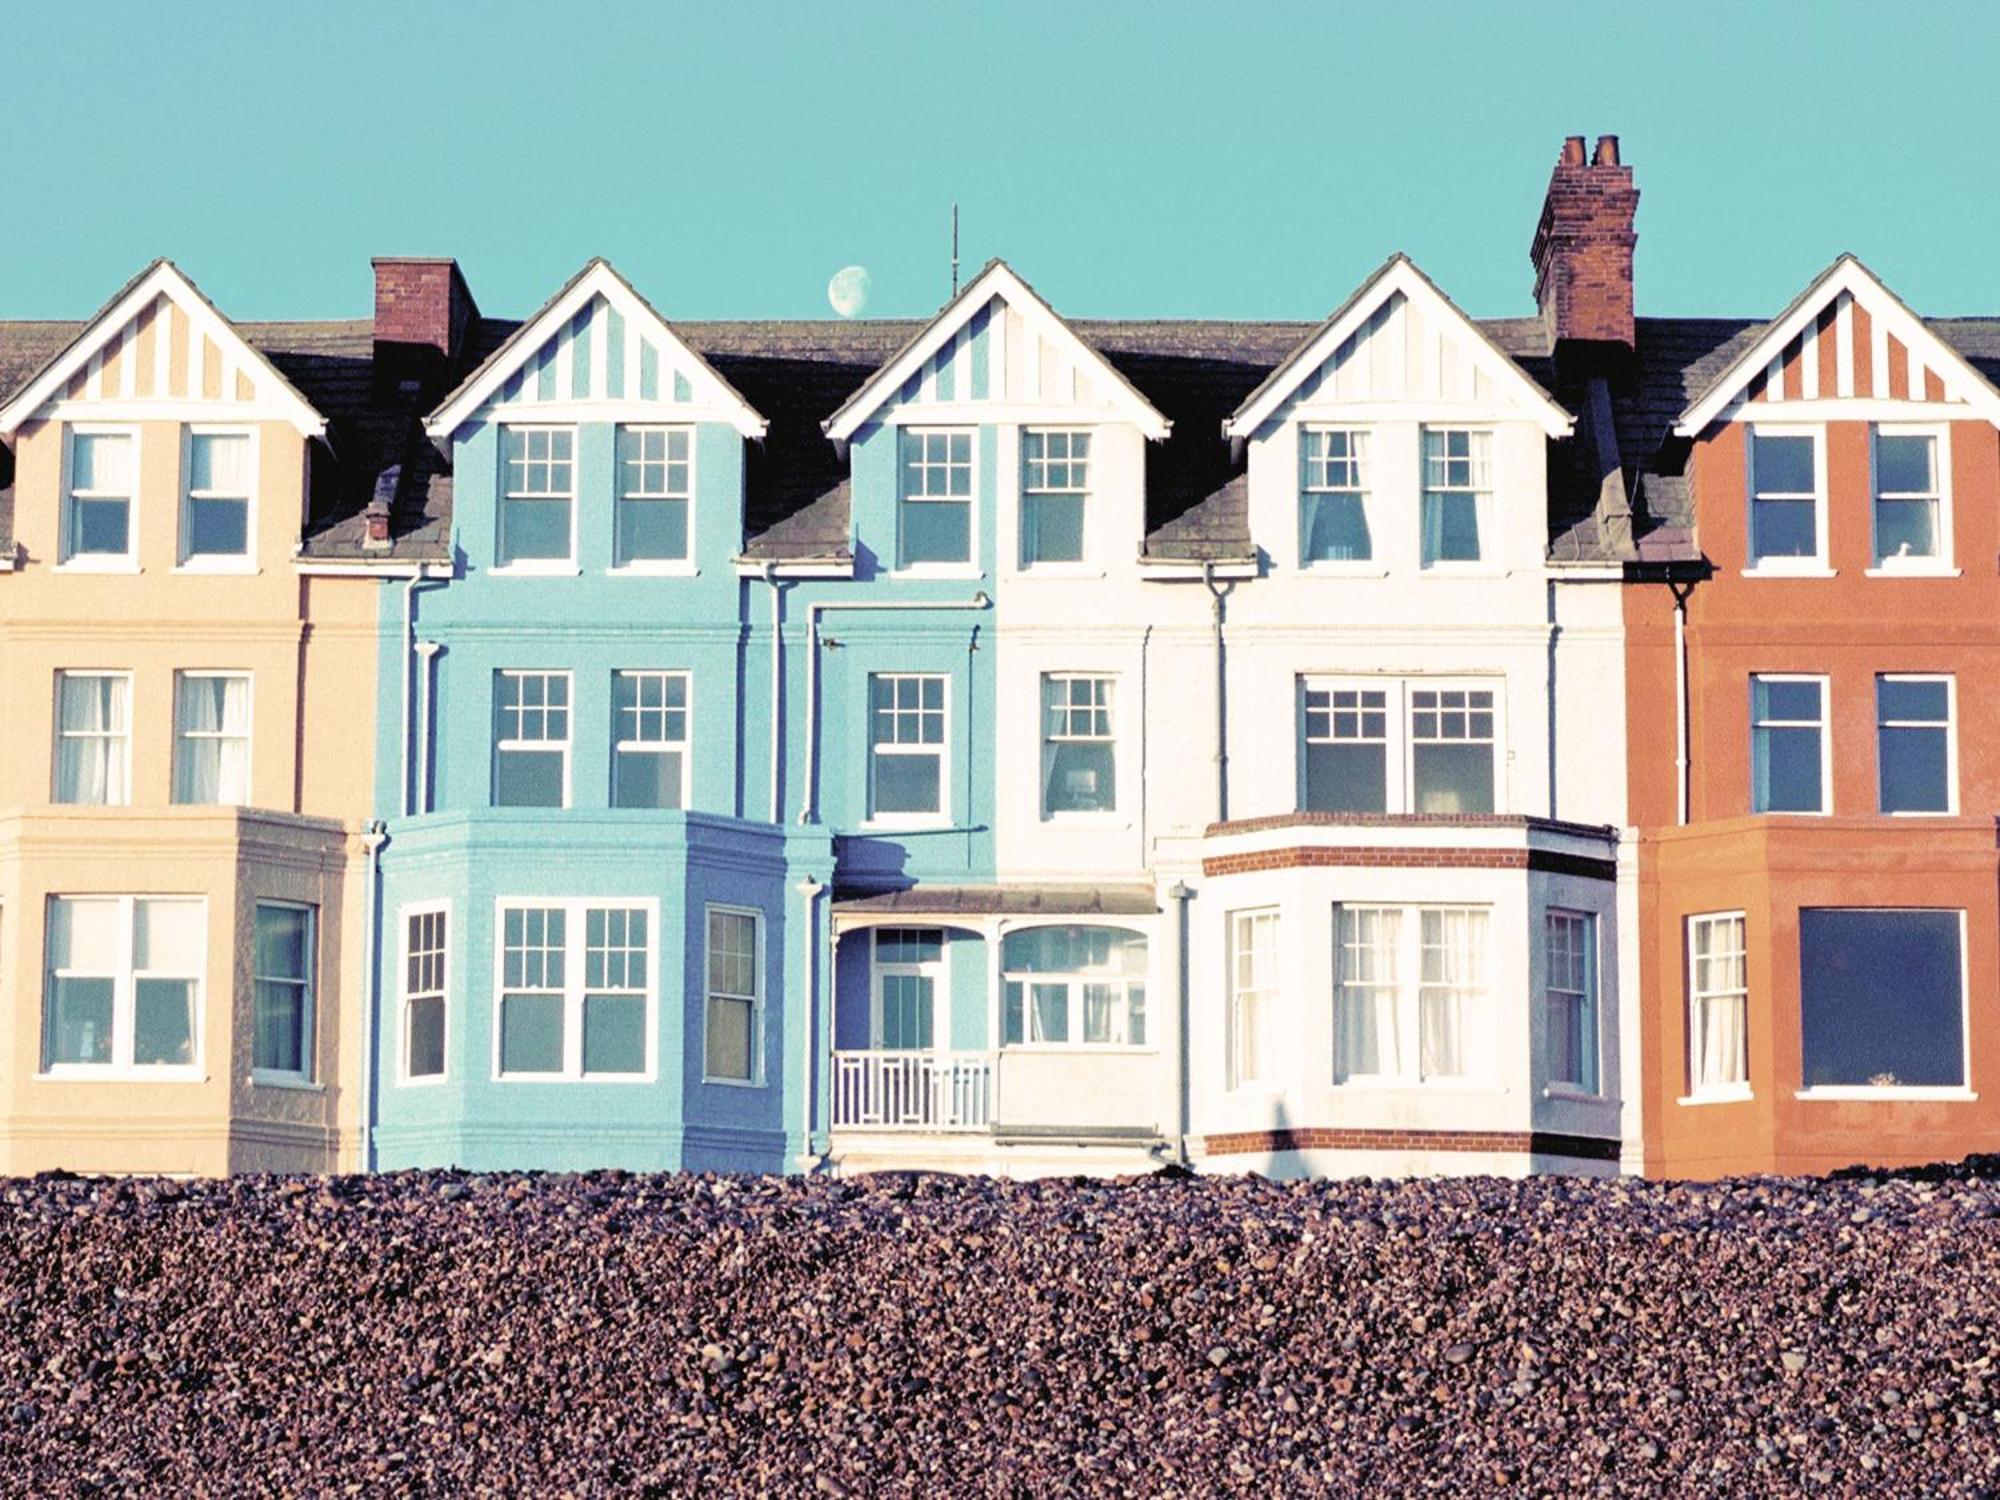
[998, 352]
[160, 349]
[596, 351]
[1778, 377]
[1400, 344]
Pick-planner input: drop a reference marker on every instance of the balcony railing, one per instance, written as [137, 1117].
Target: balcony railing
[913, 1090]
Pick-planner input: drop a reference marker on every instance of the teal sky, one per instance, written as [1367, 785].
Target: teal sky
[1227, 160]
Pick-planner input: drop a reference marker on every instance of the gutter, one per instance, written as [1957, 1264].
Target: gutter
[373, 837]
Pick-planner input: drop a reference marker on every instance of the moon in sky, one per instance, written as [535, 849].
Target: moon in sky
[848, 291]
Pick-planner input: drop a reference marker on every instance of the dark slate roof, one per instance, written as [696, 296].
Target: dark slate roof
[1010, 900]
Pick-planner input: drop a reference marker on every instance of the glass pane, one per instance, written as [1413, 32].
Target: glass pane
[936, 532]
[528, 778]
[218, 528]
[1783, 528]
[1786, 766]
[908, 1006]
[163, 1022]
[1785, 700]
[79, 1021]
[1901, 698]
[100, 461]
[1081, 778]
[1451, 527]
[907, 784]
[83, 934]
[426, 1045]
[534, 529]
[646, 778]
[1453, 778]
[1336, 529]
[1905, 528]
[729, 1028]
[531, 1033]
[279, 1045]
[1783, 465]
[1050, 1018]
[1013, 1016]
[99, 526]
[218, 461]
[1135, 1014]
[1916, 777]
[281, 942]
[168, 936]
[1347, 778]
[614, 1033]
[1903, 464]
[652, 530]
[1881, 995]
[1052, 529]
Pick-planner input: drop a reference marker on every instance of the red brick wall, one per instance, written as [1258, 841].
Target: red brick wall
[1582, 251]
[1319, 1138]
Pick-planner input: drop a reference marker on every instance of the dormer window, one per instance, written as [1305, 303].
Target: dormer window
[655, 490]
[215, 513]
[934, 513]
[538, 497]
[1458, 489]
[1333, 496]
[1055, 481]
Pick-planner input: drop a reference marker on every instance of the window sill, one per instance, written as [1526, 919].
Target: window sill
[1086, 821]
[1737, 1094]
[1921, 812]
[90, 1073]
[109, 565]
[1059, 570]
[731, 1083]
[1792, 812]
[1351, 570]
[906, 825]
[536, 570]
[654, 570]
[1886, 1093]
[1878, 571]
[291, 1081]
[1579, 1095]
[1809, 570]
[1462, 570]
[421, 1083]
[1376, 1084]
[222, 569]
[1086, 1049]
[591, 1080]
[918, 571]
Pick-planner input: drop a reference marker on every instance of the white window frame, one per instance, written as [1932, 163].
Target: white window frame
[937, 970]
[1936, 1091]
[533, 565]
[1950, 681]
[1047, 740]
[309, 1048]
[1816, 565]
[1043, 430]
[758, 1002]
[1590, 997]
[1400, 746]
[970, 567]
[1483, 468]
[1825, 727]
[404, 994]
[943, 816]
[124, 1001]
[62, 675]
[1271, 995]
[188, 561]
[1363, 461]
[567, 743]
[576, 911]
[654, 566]
[1074, 982]
[99, 562]
[1477, 1029]
[1942, 562]
[249, 736]
[685, 744]
[1726, 1090]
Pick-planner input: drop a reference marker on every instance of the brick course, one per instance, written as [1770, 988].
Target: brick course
[1326, 1138]
[1393, 857]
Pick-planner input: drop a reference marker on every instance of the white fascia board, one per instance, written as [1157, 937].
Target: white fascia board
[1401, 275]
[1186, 570]
[816, 567]
[362, 568]
[284, 399]
[597, 280]
[1857, 281]
[998, 280]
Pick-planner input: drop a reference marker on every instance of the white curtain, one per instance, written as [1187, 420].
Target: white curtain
[215, 740]
[1370, 1037]
[95, 719]
[1454, 971]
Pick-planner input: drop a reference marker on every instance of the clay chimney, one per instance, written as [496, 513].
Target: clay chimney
[1582, 251]
[423, 312]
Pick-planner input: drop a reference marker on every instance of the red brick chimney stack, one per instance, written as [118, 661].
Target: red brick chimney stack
[423, 311]
[1582, 251]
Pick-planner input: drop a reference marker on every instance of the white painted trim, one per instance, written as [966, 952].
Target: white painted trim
[1825, 722]
[277, 400]
[998, 280]
[1401, 275]
[750, 567]
[1843, 345]
[362, 568]
[1888, 1093]
[1856, 409]
[599, 280]
[1886, 315]
[1950, 681]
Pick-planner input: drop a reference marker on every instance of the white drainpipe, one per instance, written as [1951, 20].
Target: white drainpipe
[777, 687]
[409, 649]
[808, 1049]
[809, 806]
[1680, 708]
[426, 651]
[373, 837]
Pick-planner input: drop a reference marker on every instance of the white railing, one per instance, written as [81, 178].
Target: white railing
[913, 1090]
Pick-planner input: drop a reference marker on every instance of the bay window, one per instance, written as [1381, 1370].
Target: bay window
[1253, 997]
[577, 989]
[282, 954]
[1412, 991]
[733, 1045]
[1718, 1006]
[1571, 995]
[1882, 998]
[123, 984]
[425, 965]
[1073, 986]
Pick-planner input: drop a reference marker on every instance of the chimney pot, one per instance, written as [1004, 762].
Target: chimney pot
[1607, 151]
[1572, 152]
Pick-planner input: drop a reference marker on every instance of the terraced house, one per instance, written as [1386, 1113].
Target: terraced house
[1399, 743]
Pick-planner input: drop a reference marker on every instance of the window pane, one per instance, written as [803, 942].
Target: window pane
[729, 1030]
[531, 1034]
[1788, 770]
[528, 778]
[1881, 994]
[531, 529]
[1451, 527]
[614, 1034]
[908, 1003]
[1052, 529]
[646, 778]
[1927, 699]
[1786, 700]
[1347, 777]
[1336, 529]
[1905, 528]
[101, 461]
[651, 530]
[163, 1022]
[99, 526]
[1784, 528]
[936, 531]
[1453, 778]
[426, 1044]
[1904, 464]
[279, 1042]
[1081, 777]
[79, 1020]
[218, 528]
[1915, 767]
[1048, 1015]
[907, 784]
[168, 936]
[1783, 465]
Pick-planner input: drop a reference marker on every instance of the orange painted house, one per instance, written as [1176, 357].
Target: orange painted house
[1813, 627]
